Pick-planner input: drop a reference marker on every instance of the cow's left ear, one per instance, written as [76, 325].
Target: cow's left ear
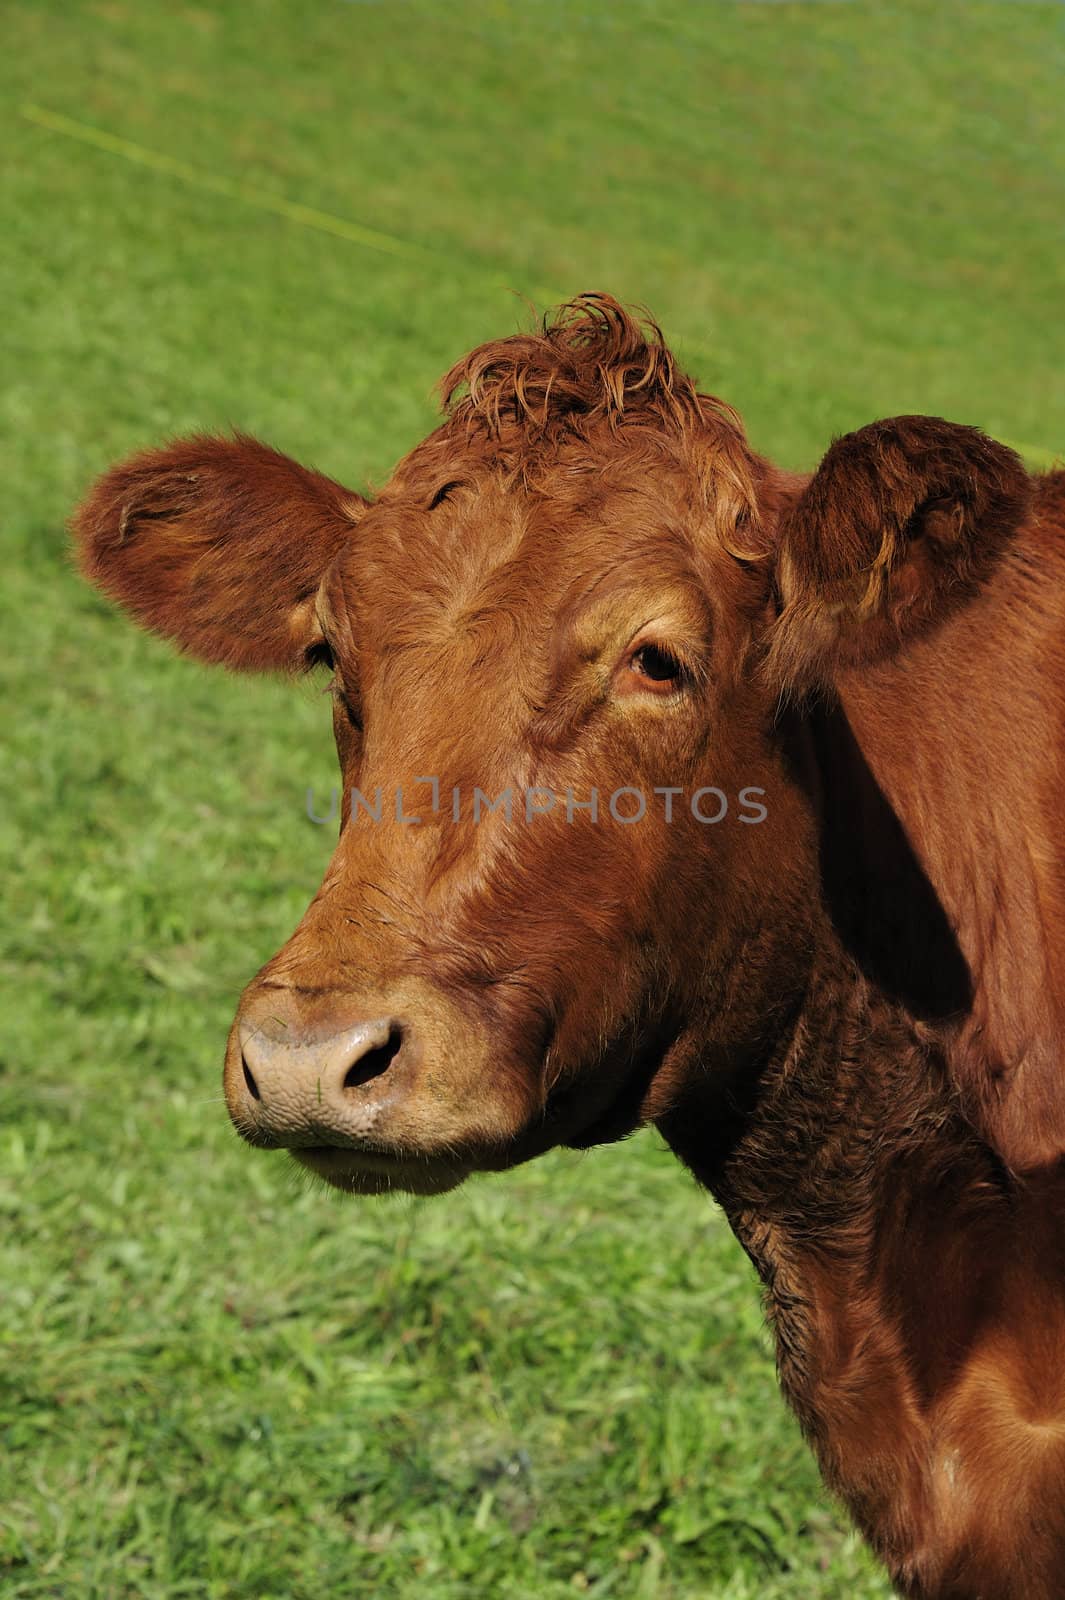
[900, 524]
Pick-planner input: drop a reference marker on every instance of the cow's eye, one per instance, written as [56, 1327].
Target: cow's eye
[650, 661]
[319, 655]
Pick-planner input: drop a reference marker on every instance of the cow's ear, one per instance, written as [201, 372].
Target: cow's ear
[219, 545]
[901, 523]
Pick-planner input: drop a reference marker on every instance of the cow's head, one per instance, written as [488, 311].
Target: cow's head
[576, 853]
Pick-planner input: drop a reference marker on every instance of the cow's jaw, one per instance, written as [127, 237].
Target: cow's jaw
[363, 1173]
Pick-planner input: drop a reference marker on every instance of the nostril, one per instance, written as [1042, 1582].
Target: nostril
[249, 1078]
[375, 1061]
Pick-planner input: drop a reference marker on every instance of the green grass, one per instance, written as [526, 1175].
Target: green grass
[215, 1381]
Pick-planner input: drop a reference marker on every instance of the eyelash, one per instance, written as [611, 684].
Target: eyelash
[319, 655]
[656, 665]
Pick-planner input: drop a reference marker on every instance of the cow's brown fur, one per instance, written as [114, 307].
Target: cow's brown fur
[848, 1020]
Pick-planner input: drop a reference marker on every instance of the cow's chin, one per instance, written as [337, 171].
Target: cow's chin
[357, 1173]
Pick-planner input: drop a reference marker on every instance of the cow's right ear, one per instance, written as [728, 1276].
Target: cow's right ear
[219, 545]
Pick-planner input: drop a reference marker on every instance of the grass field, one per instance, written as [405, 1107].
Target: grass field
[215, 1381]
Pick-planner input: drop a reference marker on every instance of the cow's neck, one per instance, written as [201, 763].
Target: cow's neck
[850, 1178]
[911, 1284]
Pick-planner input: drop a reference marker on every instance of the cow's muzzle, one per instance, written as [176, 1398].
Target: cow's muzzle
[372, 1093]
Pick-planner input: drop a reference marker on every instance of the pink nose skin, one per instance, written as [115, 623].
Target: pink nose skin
[299, 1090]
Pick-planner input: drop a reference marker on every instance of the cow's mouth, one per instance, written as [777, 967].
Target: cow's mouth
[572, 1117]
[365, 1172]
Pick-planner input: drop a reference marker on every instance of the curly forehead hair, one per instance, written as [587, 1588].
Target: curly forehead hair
[592, 369]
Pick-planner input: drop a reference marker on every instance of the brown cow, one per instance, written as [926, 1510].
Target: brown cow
[815, 930]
